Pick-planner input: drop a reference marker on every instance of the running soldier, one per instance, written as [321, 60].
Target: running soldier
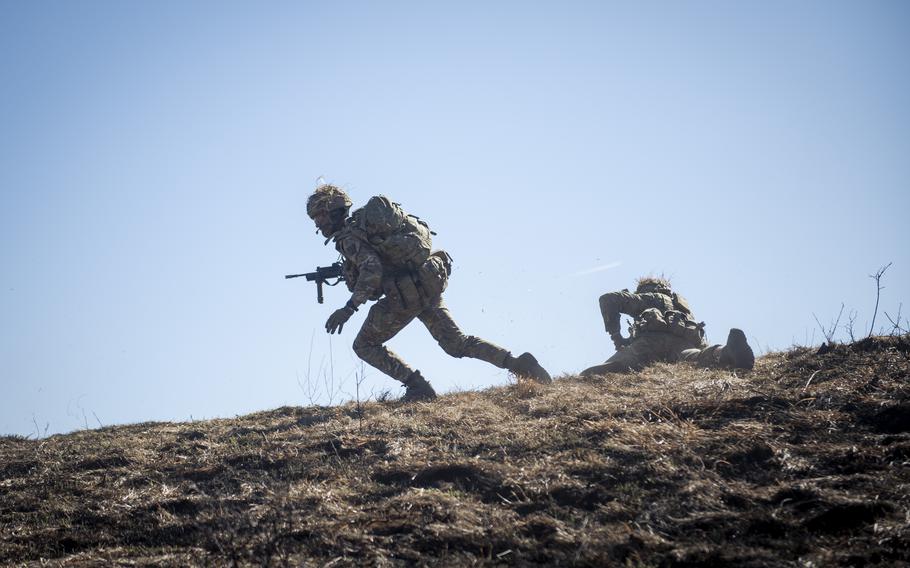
[663, 329]
[387, 257]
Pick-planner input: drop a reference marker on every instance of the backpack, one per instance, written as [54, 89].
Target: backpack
[402, 241]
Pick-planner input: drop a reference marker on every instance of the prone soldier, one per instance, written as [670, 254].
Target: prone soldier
[663, 329]
[387, 257]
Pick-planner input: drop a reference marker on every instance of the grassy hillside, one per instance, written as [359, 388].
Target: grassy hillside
[801, 462]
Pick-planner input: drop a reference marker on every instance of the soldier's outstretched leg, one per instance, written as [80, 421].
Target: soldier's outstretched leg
[382, 323]
[453, 341]
[736, 354]
[644, 348]
[629, 358]
[702, 356]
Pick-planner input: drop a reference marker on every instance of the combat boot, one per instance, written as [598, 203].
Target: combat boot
[737, 353]
[418, 389]
[525, 365]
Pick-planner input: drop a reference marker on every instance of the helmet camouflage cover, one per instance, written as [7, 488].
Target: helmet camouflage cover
[327, 197]
[656, 284]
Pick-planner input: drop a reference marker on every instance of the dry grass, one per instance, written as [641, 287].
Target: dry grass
[673, 466]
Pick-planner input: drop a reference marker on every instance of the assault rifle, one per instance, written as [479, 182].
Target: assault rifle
[322, 276]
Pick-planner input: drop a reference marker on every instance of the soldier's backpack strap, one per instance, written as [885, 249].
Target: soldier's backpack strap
[695, 330]
[681, 305]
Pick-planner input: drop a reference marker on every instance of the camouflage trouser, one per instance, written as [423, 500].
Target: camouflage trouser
[650, 347]
[704, 357]
[386, 318]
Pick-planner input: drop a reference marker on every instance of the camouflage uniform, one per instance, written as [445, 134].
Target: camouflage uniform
[663, 329]
[387, 258]
[393, 312]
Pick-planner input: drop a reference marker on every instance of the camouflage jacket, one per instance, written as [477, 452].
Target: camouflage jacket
[651, 311]
[614, 304]
[362, 266]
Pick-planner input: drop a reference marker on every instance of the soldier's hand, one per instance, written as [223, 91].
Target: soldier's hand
[338, 318]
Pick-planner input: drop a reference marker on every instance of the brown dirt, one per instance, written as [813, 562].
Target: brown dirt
[801, 462]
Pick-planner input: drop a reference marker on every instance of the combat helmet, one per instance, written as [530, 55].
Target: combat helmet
[327, 197]
[653, 284]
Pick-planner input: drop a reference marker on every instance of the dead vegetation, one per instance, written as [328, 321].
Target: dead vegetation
[803, 461]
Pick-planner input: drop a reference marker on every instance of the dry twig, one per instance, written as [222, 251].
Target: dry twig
[878, 292]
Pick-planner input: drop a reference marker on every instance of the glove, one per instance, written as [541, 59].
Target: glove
[338, 318]
[619, 341]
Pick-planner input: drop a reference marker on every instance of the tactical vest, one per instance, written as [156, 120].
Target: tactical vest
[678, 321]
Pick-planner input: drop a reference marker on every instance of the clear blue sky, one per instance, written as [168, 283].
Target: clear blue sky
[155, 159]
